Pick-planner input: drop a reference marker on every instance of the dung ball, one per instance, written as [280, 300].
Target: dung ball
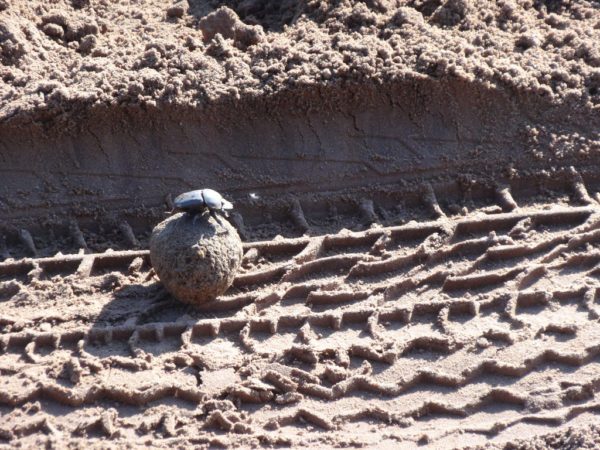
[195, 256]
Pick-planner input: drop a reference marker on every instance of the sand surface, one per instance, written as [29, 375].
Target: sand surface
[455, 331]
[416, 186]
[66, 55]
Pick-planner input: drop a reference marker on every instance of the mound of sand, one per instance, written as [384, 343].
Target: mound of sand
[71, 54]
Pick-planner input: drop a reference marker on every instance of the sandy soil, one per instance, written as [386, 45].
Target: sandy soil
[138, 100]
[67, 54]
[421, 247]
[463, 330]
[572, 438]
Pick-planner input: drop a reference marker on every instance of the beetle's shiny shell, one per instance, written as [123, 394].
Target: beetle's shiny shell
[196, 201]
[212, 199]
[190, 201]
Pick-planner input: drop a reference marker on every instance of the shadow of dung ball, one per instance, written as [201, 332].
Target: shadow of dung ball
[195, 257]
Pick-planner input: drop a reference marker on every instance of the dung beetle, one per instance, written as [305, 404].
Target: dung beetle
[201, 201]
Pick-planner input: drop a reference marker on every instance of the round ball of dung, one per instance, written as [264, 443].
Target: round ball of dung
[195, 256]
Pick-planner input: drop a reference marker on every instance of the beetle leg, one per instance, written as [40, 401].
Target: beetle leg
[219, 220]
[215, 216]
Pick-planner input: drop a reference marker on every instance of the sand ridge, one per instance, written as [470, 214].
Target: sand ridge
[62, 58]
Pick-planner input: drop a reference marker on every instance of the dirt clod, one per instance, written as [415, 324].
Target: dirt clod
[225, 21]
[176, 11]
[195, 256]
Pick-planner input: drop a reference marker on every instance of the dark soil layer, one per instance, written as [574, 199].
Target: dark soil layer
[355, 141]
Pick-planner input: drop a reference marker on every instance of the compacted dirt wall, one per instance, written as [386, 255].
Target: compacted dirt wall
[376, 139]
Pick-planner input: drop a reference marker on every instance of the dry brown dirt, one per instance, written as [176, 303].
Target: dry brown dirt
[458, 330]
[62, 55]
[415, 182]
